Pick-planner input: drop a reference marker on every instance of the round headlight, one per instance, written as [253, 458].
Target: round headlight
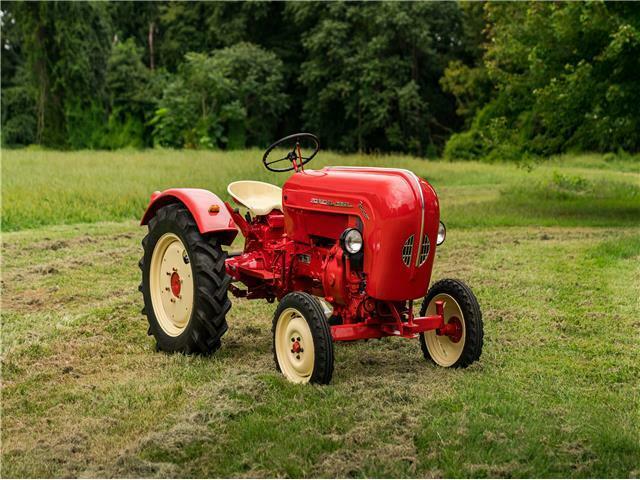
[442, 233]
[352, 240]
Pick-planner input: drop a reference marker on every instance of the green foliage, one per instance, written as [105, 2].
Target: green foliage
[222, 99]
[205, 26]
[465, 146]
[564, 78]
[127, 78]
[65, 47]
[85, 125]
[470, 85]
[131, 100]
[371, 72]
[523, 79]
[18, 115]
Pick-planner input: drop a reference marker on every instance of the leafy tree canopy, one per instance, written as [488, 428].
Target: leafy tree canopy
[553, 77]
[472, 79]
[228, 98]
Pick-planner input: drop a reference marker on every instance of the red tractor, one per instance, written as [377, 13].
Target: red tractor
[345, 251]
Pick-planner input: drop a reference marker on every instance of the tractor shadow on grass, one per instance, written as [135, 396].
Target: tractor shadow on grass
[377, 361]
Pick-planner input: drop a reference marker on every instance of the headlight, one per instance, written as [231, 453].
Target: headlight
[442, 233]
[351, 240]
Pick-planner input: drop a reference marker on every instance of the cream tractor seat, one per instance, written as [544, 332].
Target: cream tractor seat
[259, 197]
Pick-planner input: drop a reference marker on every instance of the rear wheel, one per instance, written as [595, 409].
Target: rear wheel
[302, 343]
[184, 284]
[463, 345]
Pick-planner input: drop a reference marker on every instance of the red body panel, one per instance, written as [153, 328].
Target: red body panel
[207, 209]
[387, 205]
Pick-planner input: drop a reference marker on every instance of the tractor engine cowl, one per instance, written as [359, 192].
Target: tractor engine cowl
[397, 213]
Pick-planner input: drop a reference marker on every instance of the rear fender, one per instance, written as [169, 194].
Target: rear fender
[209, 212]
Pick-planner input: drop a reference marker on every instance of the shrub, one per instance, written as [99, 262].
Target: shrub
[225, 99]
[465, 146]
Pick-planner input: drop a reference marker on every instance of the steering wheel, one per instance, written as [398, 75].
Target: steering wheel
[294, 159]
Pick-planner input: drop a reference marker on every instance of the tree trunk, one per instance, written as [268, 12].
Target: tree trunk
[40, 68]
[359, 127]
[152, 27]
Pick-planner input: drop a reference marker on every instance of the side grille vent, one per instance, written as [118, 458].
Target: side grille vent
[407, 251]
[424, 250]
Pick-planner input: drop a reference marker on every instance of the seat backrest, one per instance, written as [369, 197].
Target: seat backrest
[259, 197]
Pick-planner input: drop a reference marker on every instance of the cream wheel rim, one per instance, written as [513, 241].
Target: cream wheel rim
[171, 284]
[294, 346]
[443, 350]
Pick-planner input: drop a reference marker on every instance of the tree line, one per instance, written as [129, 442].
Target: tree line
[467, 80]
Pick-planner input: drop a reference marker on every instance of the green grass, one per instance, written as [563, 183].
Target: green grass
[50, 188]
[552, 254]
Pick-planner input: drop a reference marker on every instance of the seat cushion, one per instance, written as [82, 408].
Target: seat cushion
[259, 197]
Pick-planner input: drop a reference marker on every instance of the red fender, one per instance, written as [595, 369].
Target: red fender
[209, 212]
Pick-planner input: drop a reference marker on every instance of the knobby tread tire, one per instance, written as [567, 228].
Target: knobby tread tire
[310, 308]
[472, 318]
[207, 323]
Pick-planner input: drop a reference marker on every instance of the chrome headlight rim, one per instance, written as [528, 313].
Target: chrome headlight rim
[351, 241]
[442, 234]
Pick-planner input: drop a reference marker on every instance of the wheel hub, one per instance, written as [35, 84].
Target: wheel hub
[171, 284]
[176, 284]
[453, 329]
[296, 347]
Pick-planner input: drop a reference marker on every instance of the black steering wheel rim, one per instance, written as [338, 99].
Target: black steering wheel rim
[291, 157]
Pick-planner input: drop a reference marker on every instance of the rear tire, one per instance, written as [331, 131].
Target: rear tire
[461, 306]
[302, 343]
[184, 284]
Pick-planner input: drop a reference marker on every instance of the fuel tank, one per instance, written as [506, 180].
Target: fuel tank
[397, 213]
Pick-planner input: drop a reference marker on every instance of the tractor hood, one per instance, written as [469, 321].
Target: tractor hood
[397, 212]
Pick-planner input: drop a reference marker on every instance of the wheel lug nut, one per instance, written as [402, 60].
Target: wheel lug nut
[298, 338]
[293, 339]
[298, 357]
[302, 350]
[292, 351]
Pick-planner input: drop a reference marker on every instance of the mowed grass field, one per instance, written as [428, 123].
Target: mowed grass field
[552, 252]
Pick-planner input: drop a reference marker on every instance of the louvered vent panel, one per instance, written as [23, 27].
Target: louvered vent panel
[407, 251]
[424, 250]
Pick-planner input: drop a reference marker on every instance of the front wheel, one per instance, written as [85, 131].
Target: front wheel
[302, 343]
[463, 345]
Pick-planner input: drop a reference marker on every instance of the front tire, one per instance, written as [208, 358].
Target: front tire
[463, 310]
[184, 284]
[302, 343]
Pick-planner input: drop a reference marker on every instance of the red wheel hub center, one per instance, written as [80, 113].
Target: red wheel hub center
[176, 284]
[296, 347]
[453, 329]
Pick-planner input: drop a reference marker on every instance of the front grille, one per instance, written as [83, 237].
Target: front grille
[424, 250]
[407, 251]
